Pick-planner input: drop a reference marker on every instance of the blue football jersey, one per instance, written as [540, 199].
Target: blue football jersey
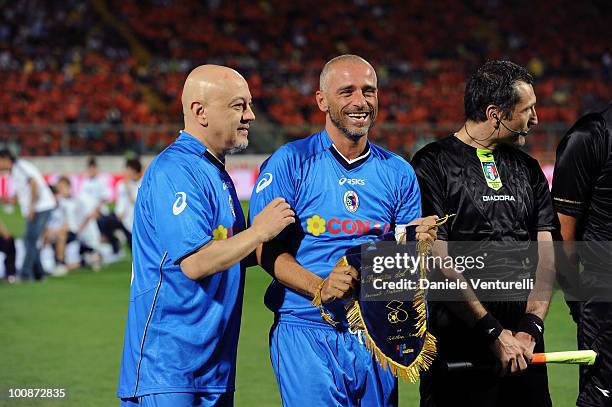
[182, 335]
[338, 204]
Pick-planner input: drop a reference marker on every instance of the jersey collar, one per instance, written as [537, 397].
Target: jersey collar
[197, 147]
[345, 162]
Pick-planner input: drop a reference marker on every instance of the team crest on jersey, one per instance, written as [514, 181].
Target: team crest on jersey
[351, 201]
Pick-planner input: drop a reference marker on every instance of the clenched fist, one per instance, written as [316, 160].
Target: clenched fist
[426, 229]
[340, 283]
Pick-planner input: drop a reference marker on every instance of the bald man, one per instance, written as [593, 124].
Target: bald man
[189, 238]
[345, 192]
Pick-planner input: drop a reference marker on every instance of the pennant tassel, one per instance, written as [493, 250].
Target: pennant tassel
[423, 360]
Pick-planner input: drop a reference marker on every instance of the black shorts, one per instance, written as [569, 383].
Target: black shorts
[457, 342]
[595, 332]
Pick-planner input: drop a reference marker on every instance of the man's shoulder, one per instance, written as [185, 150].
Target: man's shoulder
[175, 159]
[304, 147]
[433, 150]
[523, 157]
[25, 166]
[297, 151]
[590, 127]
[389, 158]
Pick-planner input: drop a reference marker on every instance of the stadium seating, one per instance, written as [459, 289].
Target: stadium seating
[63, 63]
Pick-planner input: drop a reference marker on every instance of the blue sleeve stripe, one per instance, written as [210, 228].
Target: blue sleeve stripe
[144, 334]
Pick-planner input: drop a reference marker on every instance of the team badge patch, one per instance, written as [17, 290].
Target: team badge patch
[351, 201]
[489, 169]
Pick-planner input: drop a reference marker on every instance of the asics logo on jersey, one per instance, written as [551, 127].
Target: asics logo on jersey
[179, 204]
[492, 198]
[264, 182]
[351, 181]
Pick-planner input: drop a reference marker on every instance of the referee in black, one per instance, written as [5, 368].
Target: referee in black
[582, 196]
[498, 193]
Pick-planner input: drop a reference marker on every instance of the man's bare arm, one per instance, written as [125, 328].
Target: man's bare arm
[219, 255]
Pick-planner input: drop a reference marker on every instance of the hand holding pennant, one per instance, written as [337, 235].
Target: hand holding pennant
[395, 331]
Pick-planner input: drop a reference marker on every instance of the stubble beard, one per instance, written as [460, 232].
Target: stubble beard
[351, 135]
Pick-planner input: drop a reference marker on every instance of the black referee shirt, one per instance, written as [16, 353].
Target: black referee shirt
[499, 195]
[454, 180]
[582, 183]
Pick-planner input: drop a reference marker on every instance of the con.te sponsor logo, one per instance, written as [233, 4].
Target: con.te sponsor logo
[317, 225]
[351, 181]
[493, 198]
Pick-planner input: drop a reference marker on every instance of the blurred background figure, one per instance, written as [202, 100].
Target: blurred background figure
[7, 246]
[95, 196]
[62, 229]
[36, 202]
[127, 190]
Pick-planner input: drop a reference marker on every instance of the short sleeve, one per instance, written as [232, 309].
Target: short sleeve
[544, 219]
[276, 179]
[182, 211]
[409, 199]
[579, 161]
[430, 178]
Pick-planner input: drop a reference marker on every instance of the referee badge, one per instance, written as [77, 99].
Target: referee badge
[489, 169]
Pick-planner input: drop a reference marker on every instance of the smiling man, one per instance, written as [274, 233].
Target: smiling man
[345, 191]
[189, 239]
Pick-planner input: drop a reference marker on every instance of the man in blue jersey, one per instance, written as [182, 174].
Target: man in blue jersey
[345, 191]
[189, 238]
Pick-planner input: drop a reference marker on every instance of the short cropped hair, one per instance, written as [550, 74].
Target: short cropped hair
[494, 84]
[333, 61]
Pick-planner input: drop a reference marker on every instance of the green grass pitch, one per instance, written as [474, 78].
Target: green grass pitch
[68, 333]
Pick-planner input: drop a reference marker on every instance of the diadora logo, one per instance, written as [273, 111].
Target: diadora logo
[351, 181]
[264, 182]
[493, 198]
[316, 226]
[179, 204]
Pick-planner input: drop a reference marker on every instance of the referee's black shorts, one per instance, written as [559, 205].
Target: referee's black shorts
[457, 342]
[595, 332]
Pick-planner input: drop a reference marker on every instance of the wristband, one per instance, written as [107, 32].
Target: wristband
[488, 328]
[533, 325]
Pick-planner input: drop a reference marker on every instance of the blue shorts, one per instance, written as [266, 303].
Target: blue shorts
[320, 366]
[181, 400]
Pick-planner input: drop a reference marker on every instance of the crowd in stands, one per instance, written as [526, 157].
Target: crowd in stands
[422, 50]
